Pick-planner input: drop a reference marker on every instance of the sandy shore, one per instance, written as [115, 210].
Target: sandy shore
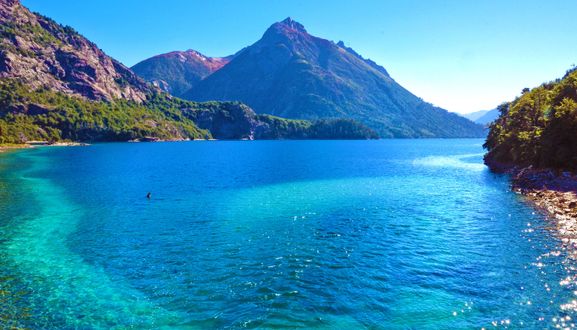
[67, 144]
[8, 147]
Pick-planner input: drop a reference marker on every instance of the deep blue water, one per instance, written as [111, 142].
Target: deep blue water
[391, 234]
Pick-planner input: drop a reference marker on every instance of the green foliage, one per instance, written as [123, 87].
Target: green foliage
[281, 128]
[324, 129]
[342, 129]
[46, 115]
[539, 128]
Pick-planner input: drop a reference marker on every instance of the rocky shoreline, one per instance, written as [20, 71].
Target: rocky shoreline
[553, 192]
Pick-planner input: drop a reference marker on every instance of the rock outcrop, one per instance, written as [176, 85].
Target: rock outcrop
[44, 54]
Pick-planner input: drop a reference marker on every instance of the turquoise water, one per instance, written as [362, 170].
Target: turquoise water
[406, 234]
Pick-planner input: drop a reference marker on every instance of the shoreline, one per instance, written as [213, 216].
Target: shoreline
[13, 147]
[552, 192]
[10, 147]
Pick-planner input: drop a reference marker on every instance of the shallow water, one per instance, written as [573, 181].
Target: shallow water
[408, 234]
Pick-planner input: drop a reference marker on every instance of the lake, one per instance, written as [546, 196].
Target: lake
[391, 234]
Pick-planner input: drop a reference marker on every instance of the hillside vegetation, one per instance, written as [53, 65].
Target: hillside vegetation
[538, 128]
[46, 115]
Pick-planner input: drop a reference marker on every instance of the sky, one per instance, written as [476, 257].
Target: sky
[461, 55]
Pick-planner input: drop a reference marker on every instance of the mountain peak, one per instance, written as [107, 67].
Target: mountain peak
[178, 71]
[289, 25]
[284, 31]
[292, 23]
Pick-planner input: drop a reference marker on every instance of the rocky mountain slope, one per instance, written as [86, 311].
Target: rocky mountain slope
[293, 74]
[43, 54]
[177, 72]
[57, 85]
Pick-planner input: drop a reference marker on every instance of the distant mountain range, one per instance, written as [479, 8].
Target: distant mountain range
[57, 85]
[293, 74]
[483, 117]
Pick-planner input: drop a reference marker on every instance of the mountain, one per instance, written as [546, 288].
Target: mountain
[483, 117]
[539, 128]
[488, 117]
[43, 54]
[475, 115]
[292, 74]
[177, 72]
[57, 85]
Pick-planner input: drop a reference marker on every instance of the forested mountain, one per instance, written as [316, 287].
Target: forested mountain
[293, 74]
[55, 85]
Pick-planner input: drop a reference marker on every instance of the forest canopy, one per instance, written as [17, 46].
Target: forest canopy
[538, 128]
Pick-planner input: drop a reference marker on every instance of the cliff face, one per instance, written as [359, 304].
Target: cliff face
[43, 54]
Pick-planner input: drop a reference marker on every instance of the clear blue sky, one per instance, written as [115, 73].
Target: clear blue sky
[462, 55]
